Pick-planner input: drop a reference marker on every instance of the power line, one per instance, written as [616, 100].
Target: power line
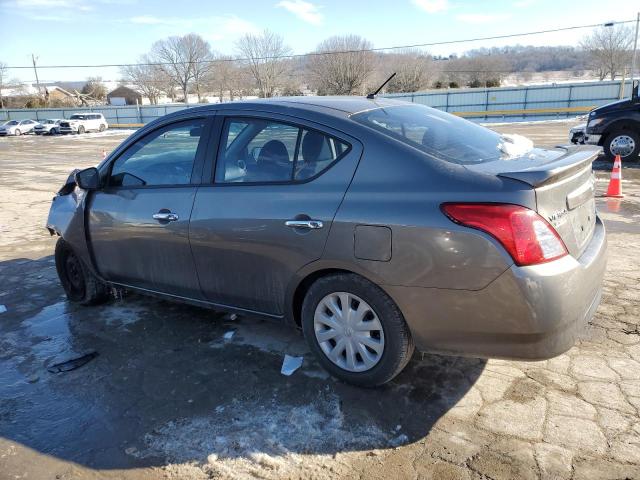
[301, 55]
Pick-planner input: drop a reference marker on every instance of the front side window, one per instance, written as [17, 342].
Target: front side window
[164, 157]
[257, 150]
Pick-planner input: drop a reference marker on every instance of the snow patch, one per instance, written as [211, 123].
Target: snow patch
[241, 437]
[514, 145]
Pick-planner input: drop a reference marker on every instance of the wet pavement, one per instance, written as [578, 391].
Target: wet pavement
[167, 396]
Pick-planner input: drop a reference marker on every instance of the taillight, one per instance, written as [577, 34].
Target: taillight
[527, 236]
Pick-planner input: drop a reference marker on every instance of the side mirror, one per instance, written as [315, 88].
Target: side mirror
[88, 179]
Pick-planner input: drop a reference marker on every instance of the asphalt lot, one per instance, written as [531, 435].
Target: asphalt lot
[168, 397]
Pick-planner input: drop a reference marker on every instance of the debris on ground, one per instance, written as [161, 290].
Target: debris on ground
[632, 331]
[3, 309]
[229, 335]
[399, 440]
[290, 365]
[232, 316]
[72, 364]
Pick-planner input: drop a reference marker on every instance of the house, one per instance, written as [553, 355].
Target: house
[124, 96]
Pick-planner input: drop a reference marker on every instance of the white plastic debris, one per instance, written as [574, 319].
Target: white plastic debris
[3, 309]
[399, 440]
[290, 364]
[233, 316]
[229, 335]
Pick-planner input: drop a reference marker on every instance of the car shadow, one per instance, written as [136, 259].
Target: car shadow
[166, 385]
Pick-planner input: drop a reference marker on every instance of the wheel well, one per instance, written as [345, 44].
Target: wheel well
[303, 287]
[622, 125]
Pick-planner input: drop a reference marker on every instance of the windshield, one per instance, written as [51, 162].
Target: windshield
[442, 135]
[12, 122]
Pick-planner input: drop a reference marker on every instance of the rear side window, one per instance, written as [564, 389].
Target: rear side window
[164, 157]
[258, 150]
[437, 133]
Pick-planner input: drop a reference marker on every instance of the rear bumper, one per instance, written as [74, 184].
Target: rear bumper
[528, 313]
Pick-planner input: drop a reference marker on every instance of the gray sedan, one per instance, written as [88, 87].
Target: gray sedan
[374, 226]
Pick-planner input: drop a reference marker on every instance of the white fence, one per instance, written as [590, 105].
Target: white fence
[480, 104]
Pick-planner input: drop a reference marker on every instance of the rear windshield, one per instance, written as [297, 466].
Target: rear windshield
[438, 134]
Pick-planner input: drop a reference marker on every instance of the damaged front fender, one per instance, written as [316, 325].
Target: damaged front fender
[67, 218]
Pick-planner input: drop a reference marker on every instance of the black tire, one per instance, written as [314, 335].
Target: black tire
[80, 130]
[18, 132]
[102, 128]
[635, 137]
[79, 283]
[398, 346]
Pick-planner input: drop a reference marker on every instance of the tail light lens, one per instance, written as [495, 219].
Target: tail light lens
[527, 236]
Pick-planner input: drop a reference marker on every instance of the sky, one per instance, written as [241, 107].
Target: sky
[73, 32]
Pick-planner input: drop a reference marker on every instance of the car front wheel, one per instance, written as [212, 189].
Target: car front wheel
[625, 143]
[80, 130]
[356, 330]
[79, 283]
[18, 133]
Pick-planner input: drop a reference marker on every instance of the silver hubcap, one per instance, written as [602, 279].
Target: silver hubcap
[622, 145]
[348, 332]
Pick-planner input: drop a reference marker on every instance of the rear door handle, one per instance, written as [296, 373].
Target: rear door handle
[310, 224]
[165, 216]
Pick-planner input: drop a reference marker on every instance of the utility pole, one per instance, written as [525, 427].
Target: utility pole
[635, 51]
[35, 70]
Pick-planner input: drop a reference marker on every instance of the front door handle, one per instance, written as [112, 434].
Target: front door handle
[165, 216]
[310, 224]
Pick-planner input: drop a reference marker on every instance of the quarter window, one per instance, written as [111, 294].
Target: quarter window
[257, 150]
[164, 157]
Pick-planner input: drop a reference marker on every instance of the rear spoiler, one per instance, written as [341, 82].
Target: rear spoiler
[576, 159]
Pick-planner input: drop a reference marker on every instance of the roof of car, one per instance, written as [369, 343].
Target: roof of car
[338, 104]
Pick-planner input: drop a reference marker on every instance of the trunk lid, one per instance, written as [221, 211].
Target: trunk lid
[564, 184]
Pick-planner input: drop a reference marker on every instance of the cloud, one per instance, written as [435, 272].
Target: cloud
[304, 10]
[223, 26]
[480, 18]
[432, 6]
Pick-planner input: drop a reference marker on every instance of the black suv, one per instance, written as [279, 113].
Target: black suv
[616, 127]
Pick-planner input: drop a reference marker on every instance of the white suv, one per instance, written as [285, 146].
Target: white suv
[83, 122]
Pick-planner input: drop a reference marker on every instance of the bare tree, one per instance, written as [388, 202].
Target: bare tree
[609, 49]
[341, 65]
[145, 77]
[415, 70]
[95, 89]
[3, 79]
[185, 60]
[264, 54]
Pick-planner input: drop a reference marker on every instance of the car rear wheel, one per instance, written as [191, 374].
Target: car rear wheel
[18, 132]
[355, 330]
[625, 143]
[80, 130]
[79, 283]
[102, 128]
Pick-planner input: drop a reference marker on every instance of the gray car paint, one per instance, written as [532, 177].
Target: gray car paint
[457, 287]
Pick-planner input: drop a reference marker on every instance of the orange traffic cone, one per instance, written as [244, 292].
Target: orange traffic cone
[615, 184]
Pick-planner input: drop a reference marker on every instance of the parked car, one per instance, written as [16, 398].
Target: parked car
[373, 225]
[577, 134]
[84, 122]
[616, 127]
[17, 127]
[50, 126]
